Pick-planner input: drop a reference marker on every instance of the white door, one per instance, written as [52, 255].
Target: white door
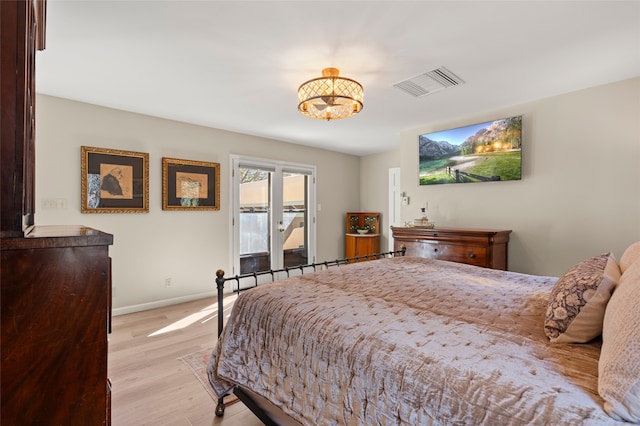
[273, 214]
[395, 200]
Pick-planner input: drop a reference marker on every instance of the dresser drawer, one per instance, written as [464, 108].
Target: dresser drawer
[453, 253]
[464, 254]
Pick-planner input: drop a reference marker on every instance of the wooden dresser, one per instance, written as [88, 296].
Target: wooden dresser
[56, 308]
[359, 245]
[55, 280]
[480, 247]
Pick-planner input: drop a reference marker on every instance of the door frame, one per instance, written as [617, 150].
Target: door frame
[395, 198]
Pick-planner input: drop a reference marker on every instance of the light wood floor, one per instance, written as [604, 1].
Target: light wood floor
[150, 385]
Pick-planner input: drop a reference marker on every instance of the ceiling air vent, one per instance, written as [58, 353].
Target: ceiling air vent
[429, 82]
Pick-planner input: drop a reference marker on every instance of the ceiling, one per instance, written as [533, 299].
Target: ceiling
[236, 65]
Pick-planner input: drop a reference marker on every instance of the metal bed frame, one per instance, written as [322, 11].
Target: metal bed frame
[311, 267]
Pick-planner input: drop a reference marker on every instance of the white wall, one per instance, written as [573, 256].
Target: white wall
[580, 191]
[185, 246]
[579, 195]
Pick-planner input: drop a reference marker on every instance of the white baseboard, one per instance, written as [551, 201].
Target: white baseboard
[161, 303]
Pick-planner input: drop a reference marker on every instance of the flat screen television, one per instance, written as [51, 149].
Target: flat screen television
[483, 152]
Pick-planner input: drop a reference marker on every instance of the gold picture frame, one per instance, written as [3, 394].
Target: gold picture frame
[190, 185]
[114, 181]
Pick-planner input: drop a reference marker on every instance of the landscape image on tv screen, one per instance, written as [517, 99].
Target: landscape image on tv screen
[484, 152]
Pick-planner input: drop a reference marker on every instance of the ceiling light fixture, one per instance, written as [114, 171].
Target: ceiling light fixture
[330, 97]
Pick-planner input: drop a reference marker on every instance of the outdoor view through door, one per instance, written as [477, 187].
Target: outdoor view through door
[273, 217]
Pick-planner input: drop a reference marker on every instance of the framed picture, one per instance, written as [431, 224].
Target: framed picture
[190, 185]
[114, 181]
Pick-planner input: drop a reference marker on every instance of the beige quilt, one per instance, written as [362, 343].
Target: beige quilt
[408, 341]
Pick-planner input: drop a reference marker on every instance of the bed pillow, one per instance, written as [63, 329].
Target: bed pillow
[619, 364]
[630, 255]
[579, 298]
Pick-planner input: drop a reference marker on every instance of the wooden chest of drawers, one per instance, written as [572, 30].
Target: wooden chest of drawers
[56, 313]
[481, 247]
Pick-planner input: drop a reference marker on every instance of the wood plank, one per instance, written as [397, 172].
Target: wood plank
[151, 386]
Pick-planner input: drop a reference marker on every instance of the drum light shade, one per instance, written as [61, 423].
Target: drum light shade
[330, 97]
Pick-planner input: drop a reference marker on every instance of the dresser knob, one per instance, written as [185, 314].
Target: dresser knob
[472, 255]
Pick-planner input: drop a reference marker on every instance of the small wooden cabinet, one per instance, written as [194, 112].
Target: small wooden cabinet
[362, 245]
[359, 245]
[481, 247]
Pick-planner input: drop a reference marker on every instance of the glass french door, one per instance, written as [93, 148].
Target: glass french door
[273, 214]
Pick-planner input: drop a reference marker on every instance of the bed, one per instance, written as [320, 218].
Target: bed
[412, 341]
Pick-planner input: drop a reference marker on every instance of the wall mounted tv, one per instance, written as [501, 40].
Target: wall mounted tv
[483, 152]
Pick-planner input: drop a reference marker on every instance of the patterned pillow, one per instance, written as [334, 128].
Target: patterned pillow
[630, 255]
[619, 364]
[579, 298]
